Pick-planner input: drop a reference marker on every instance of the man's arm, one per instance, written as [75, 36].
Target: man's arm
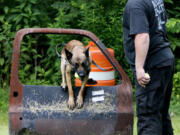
[141, 46]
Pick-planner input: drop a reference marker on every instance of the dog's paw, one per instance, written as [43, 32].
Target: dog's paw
[71, 103]
[79, 102]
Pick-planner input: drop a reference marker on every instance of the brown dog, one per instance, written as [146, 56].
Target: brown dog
[75, 59]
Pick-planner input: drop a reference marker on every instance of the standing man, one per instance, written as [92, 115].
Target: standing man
[148, 52]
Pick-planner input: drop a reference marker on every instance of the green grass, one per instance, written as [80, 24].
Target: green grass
[4, 124]
[174, 110]
[4, 94]
[4, 130]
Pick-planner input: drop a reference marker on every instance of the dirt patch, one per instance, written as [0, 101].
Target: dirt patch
[97, 107]
[104, 106]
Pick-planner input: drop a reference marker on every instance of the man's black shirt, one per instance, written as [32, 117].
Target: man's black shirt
[147, 16]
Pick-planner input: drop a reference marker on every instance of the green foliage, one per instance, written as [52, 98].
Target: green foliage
[176, 88]
[4, 96]
[173, 24]
[6, 42]
[168, 1]
[176, 84]
[173, 27]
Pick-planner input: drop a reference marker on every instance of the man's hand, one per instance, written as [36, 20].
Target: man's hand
[142, 77]
[141, 45]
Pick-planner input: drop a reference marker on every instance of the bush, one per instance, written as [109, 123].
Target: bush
[4, 96]
[176, 87]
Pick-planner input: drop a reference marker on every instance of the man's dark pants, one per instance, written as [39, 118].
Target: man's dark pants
[153, 102]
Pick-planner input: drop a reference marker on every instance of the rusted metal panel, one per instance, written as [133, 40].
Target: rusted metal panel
[105, 123]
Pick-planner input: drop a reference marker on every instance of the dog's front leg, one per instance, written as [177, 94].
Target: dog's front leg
[70, 103]
[81, 93]
[63, 66]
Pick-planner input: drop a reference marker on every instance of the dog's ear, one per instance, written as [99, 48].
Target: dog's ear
[87, 52]
[68, 54]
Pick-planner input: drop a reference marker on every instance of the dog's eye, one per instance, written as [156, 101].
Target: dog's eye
[84, 64]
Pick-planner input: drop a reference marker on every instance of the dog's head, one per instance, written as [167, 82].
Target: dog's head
[80, 62]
